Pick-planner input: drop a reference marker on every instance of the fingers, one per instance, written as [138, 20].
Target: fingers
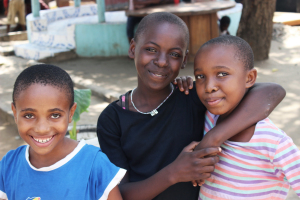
[175, 81]
[194, 183]
[185, 85]
[205, 175]
[200, 182]
[179, 83]
[190, 147]
[207, 151]
[210, 161]
[190, 82]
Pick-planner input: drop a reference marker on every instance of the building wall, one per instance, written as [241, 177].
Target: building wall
[101, 39]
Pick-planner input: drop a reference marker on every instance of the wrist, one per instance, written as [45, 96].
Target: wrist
[170, 175]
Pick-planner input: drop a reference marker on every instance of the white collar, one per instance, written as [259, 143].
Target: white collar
[60, 162]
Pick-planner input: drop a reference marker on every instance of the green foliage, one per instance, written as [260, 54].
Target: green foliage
[83, 99]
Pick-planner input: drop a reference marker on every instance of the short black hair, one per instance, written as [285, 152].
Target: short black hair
[243, 52]
[46, 75]
[158, 18]
[225, 20]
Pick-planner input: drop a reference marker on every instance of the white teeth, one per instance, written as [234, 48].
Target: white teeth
[42, 141]
[158, 75]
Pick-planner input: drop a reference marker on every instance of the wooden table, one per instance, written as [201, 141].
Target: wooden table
[201, 19]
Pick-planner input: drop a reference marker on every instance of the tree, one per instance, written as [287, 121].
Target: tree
[256, 26]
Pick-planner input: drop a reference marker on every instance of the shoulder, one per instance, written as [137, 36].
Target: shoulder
[104, 172]
[105, 175]
[12, 160]
[14, 155]
[267, 135]
[267, 129]
[101, 161]
[110, 114]
[111, 108]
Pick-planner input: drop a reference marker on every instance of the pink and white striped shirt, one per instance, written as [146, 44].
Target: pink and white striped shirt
[262, 168]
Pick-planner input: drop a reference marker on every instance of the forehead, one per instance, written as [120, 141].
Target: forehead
[168, 33]
[218, 55]
[42, 96]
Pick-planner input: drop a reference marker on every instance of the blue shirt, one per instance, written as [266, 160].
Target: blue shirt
[86, 173]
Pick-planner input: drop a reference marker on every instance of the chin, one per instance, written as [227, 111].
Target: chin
[216, 111]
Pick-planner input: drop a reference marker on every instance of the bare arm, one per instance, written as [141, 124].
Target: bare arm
[257, 104]
[115, 194]
[185, 168]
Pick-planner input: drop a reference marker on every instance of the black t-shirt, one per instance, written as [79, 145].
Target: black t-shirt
[143, 144]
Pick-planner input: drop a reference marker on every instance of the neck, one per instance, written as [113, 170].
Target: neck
[147, 99]
[60, 152]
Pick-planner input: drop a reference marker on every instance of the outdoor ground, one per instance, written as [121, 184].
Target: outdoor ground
[114, 76]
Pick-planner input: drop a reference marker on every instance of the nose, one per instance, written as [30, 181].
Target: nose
[211, 85]
[42, 126]
[161, 60]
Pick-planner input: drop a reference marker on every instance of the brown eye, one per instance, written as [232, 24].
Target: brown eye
[174, 54]
[29, 116]
[199, 76]
[55, 116]
[151, 50]
[222, 74]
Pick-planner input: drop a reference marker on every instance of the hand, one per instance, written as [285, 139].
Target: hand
[198, 182]
[201, 182]
[184, 83]
[192, 165]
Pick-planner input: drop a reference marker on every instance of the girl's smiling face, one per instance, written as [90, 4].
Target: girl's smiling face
[42, 114]
[159, 54]
[221, 78]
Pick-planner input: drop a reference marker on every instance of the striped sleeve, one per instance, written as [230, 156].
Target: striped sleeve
[287, 161]
[210, 121]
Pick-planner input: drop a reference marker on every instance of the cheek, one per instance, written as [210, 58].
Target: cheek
[61, 127]
[199, 89]
[144, 57]
[24, 125]
[175, 66]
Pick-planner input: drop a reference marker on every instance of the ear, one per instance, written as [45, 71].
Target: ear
[14, 111]
[72, 111]
[185, 59]
[251, 78]
[131, 50]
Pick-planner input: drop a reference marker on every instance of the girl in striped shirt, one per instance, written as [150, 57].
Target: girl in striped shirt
[260, 162]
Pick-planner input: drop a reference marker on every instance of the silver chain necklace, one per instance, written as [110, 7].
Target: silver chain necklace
[153, 112]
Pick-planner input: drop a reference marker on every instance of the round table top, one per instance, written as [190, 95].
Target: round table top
[184, 9]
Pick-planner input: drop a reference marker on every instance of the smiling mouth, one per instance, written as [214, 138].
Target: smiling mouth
[213, 102]
[44, 140]
[158, 75]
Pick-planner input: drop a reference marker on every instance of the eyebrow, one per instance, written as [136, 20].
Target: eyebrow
[33, 110]
[153, 43]
[28, 109]
[171, 48]
[221, 67]
[56, 109]
[215, 67]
